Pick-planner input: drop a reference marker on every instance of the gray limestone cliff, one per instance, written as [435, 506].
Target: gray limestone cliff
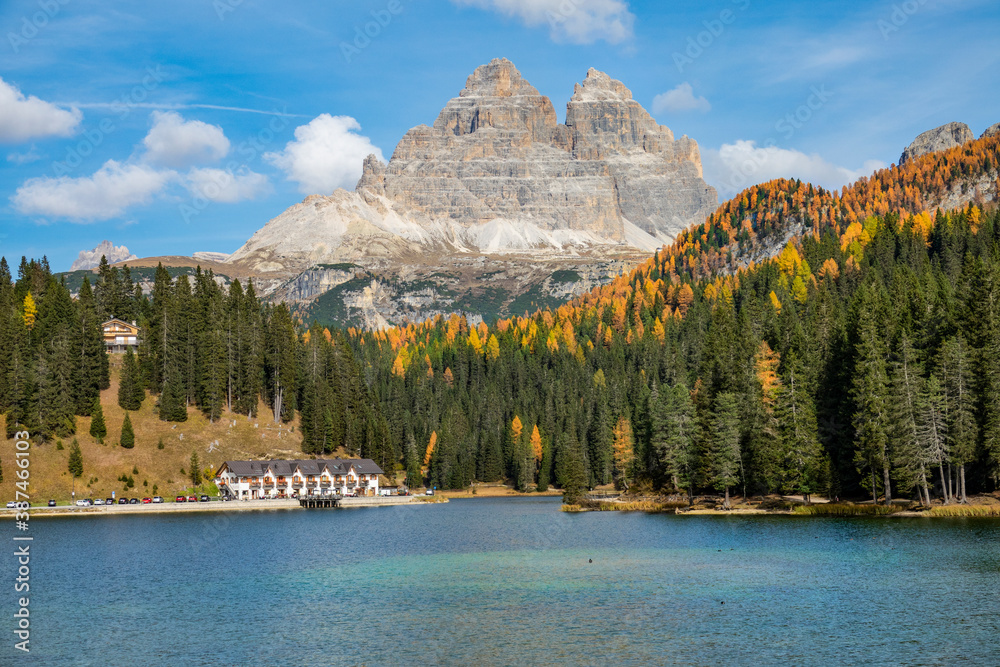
[497, 173]
[939, 139]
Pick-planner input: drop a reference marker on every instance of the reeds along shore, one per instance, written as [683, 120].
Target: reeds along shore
[822, 509]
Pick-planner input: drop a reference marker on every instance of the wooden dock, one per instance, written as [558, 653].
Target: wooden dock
[319, 502]
[338, 502]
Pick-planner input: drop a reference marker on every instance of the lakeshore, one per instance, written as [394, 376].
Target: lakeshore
[987, 506]
[279, 504]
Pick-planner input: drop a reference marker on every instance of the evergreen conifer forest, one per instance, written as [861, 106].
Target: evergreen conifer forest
[799, 342]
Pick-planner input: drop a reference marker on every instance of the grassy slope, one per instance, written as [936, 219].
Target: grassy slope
[50, 478]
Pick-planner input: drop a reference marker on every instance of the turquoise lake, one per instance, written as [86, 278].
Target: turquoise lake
[509, 582]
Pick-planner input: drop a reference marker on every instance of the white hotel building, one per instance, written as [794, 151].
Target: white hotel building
[312, 477]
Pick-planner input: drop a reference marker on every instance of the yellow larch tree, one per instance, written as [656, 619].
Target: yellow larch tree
[30, 310]
[536, 444]
[430, 448]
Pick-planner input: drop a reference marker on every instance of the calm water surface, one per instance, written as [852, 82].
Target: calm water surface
[509, 582]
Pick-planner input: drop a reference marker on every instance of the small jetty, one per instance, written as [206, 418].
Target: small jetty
[319, 502]
[322, 502]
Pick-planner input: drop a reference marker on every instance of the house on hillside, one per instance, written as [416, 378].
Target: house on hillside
[120, 335]
[285, 479]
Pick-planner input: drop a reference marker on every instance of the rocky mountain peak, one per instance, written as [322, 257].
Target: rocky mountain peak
[497, 173]
[497, 97]
[939, 139]
[89, 259]
[598, 87]
[991, 131]
[498, 78]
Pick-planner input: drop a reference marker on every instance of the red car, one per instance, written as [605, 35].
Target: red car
[180, 499]
[192, 499]
[146, 501]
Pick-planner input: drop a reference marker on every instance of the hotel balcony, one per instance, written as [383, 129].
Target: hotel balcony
[325, 485]
[311, 485]
[297, 485]
[254, 485]
[268, 484]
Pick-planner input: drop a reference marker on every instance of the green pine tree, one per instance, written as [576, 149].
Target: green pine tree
[128, 435]
[98, 429]
[195, 470]
[130, 390]
[75, 462]
[724, 452]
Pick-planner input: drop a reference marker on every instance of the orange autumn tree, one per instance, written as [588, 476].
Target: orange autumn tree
[430, 448]
[516, 429]
[624, 451]
[536, 444]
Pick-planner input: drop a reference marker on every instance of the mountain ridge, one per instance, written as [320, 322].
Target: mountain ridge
[497, 173]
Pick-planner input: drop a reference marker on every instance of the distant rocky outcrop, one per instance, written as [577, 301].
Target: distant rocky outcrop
[497, 173]
[939, 139]
[209, 256]
[89, 259]
[991, 131]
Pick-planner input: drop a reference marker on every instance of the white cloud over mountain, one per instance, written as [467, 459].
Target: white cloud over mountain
[572, 21]
[175, 142]
[172, 143]
[105, 194]
[223, 186]
[734, 167]
[327, 153]
[681, 98]
[25, 118]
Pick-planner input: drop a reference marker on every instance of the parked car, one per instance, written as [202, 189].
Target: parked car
[204, 498]
[133, 501]
[109, 501]
[52, 503]
[157, 499]
[99, 501]
[84, 502]
[146, 501]
[123, 501]
[192, 499]
[11, 504]
[180, 499]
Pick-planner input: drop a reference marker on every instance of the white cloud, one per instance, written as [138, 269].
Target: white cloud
[175, 142]
[680, 98]
[222, 185]
[737, 166]
[327, 154]
[573, 21]
[23, 118]
[24, 158]
[106, 194]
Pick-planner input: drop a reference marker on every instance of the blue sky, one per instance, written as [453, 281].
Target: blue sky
[185, 125]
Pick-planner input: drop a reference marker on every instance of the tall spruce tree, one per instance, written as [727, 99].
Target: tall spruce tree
[75, 462]
[130, 389]
[127, 439]
[869, 391]
[724, 453]
[98, 429]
